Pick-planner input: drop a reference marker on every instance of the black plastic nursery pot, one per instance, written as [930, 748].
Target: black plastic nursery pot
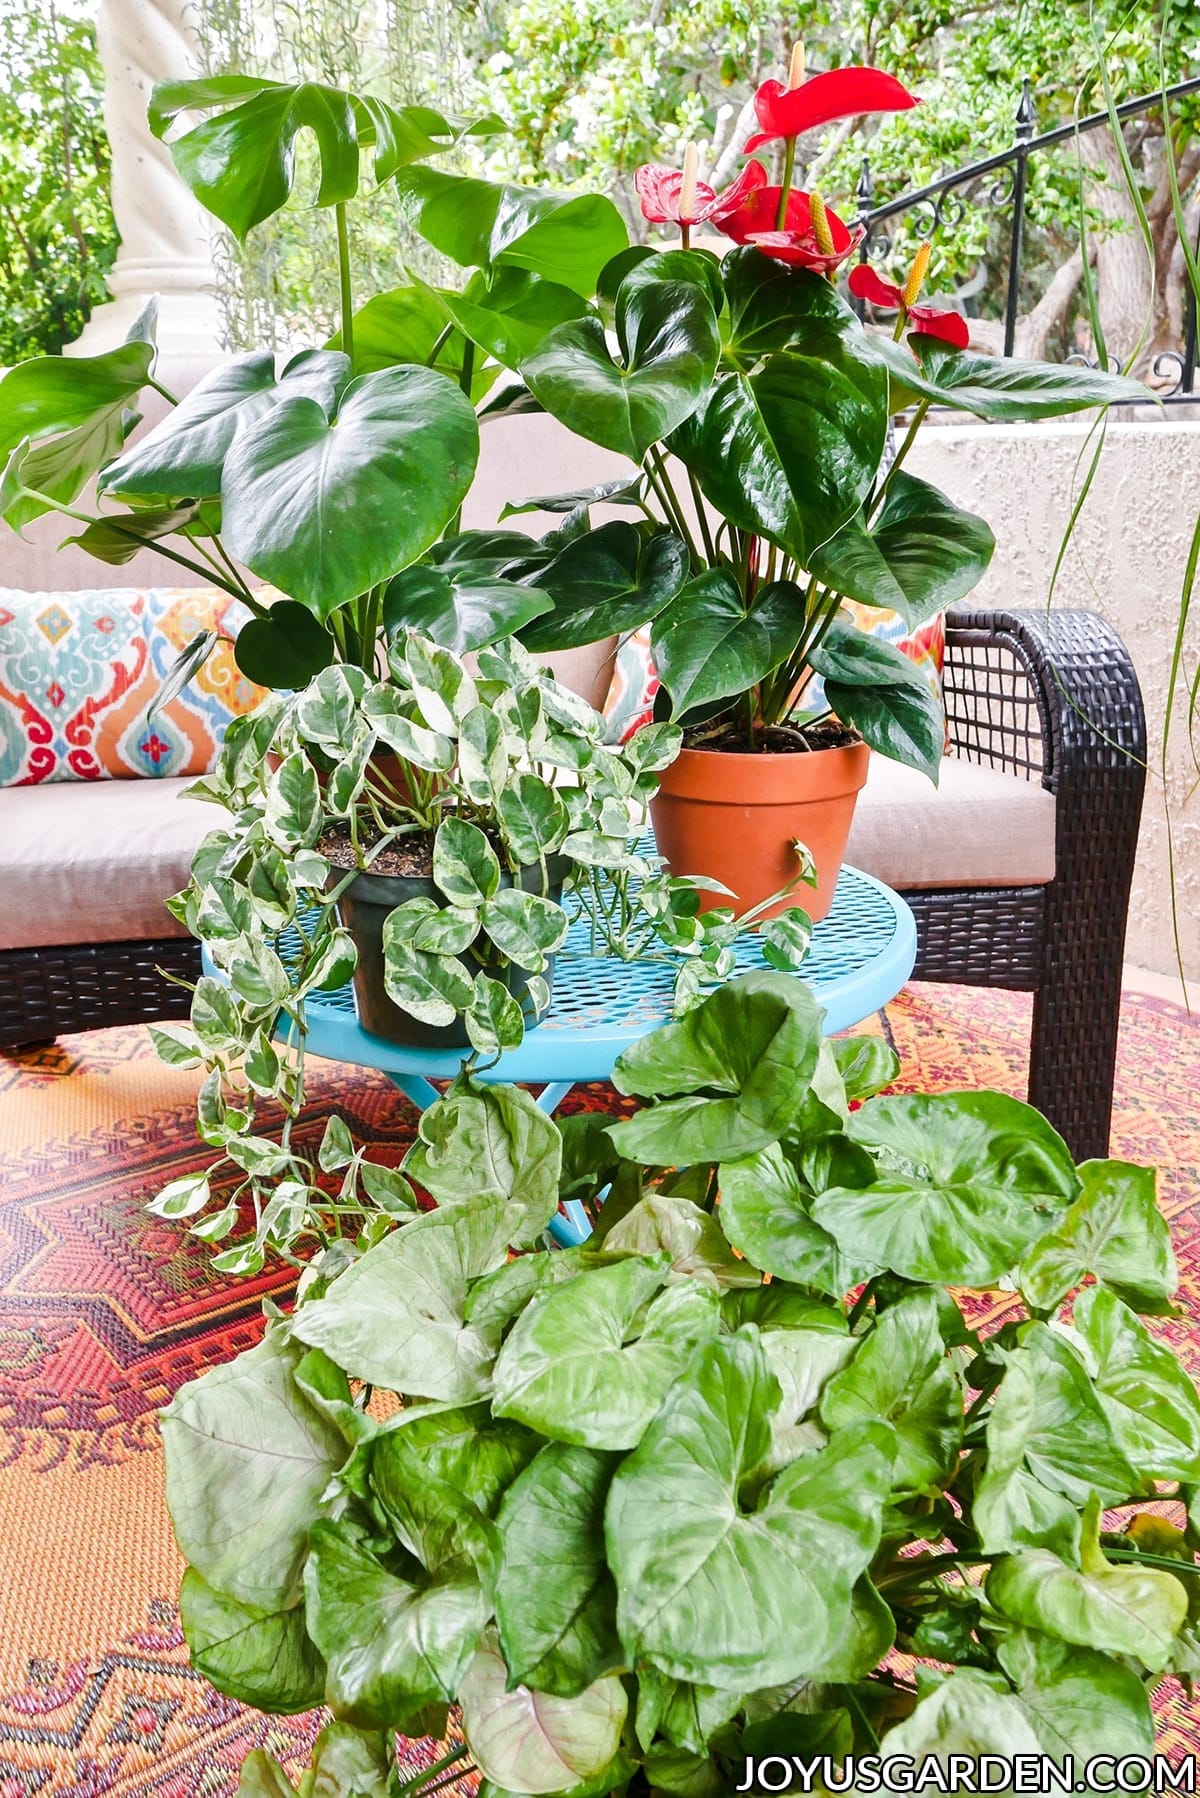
[362, 910]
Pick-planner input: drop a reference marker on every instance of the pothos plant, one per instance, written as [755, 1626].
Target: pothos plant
[509, 813]
[836, 1375]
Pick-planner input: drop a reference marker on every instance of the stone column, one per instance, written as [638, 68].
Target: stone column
[165, 235]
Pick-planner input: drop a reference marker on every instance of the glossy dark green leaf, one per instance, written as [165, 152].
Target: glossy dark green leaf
[623, 492]
[790, 451]
[905, 722]
[1114, 1231]
[966, 1182]
[183, 456]
[555, 1599]
[1004, 389]
[461, 615]
[48, 395]
[247, 1461]
[610, 580]
[285, 649]
[392, 1645]
[1148, 1397]
[1123, 1610]
[1048, 1431]
[589, 1362]
[766, 1212]
[669, 344]
[900, 1373]
[479, 224]
[261, 1658]
[707, 646]
[755, 1040]
[707, 1592]
[702, 268]
[490, 1141]
[510, 317]
[396, 1317]
[854, 657]
[1080, 1703]
[324, 510]
[917, 557]
[772, 304]
[530, 1742]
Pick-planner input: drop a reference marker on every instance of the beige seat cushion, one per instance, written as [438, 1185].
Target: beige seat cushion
[978, 828]
[92, 861]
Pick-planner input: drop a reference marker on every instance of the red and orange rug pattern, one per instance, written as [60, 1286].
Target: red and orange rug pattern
[105, 1312]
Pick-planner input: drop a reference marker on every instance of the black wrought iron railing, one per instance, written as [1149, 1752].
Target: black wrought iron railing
[1001, 182]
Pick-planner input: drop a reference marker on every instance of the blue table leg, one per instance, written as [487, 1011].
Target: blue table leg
[422, 1092]
[570, 1226]
[553, 1094]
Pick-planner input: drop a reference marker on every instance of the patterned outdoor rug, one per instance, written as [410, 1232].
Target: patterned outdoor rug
[105, 1311]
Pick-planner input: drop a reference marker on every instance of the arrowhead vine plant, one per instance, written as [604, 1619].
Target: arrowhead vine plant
[746, 1475]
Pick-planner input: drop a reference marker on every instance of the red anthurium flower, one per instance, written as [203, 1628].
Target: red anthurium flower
[799, 242]
[839, 94]
[928, 321]
[664, 202]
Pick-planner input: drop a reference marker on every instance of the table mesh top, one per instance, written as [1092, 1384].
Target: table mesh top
[592, 990]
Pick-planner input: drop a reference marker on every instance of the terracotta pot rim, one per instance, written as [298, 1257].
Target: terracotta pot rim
[714, 777]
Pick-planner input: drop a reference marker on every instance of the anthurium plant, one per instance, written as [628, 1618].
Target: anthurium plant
[496, 814]
[844, 1433]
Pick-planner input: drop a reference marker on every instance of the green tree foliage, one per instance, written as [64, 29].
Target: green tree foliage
[57, 236]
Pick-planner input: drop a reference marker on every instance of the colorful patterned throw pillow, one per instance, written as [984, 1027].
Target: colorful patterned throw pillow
[78, 672]
[630, 701]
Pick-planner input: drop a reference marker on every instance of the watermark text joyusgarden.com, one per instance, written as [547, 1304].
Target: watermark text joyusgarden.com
[967, 1773]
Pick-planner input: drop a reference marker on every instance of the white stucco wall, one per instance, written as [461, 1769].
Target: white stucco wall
[1127, 561]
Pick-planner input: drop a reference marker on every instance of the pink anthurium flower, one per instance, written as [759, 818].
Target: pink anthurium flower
[812, 236]
[786, 111]
[928, 321]
[666, 200]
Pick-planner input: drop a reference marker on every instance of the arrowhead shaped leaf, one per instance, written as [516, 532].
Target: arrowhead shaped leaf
[766, 1212]
[965, 1714]
[589, 1362]
[484, 1141]
[708, 646]
[555, 1599]
[1005, 389]
[1080, 1702]
[1148, 1397]
[967, 1181]
[611, 580]
[261, 1658]
[772, 304]
[396, 1318]
[247, 1461]
[1116, 1232]
[692, 1238]
[323, 510]
[669, 344]
[531, 1742]
[900, 1373]
[460, 614]
[920, 555]
[510, 317]
[707, 1592]
[905, 722]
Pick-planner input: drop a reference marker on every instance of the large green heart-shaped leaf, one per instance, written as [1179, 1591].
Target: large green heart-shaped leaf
[790, 451]
[1080, 1702]
[52, 394]
[964, 1715]
[967, 1182]
[247, 1461]
[1115, 1231]
[391, 1645]
[707, 646]
[532, 1742]
[900, 1373]
[766, 1212]
[460, 614]
[183, 456]
[555, 1599]
[509, 316]
[756, 1039]
[490, 1142]
[464, 1449]
[611, 580]
[261, 1658]
[857, 659]
[323, 509]
[589, 1362]
[1001, 388]
[708, 1592]
[920, 555]
[1123, 1610]
[1149, 1398]
[669, 343]
[479, 224]
[1049, 1429]
[772, 304]
[905, 722]
[396, 1318]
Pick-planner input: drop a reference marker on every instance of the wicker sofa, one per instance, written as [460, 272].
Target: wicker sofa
[1018, 869]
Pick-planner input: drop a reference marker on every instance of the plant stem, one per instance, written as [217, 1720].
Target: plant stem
[443, 338]
[165, 391]
[466, 376]
[909, 436]
[206, 573]
[668, 498]
[789, 166]
[705, 533]
[347, 298]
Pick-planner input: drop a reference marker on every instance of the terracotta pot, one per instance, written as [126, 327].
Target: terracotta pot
[733, 817]
[362, 910]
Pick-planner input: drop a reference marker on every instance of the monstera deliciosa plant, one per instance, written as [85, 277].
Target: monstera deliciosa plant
[844, 1434]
